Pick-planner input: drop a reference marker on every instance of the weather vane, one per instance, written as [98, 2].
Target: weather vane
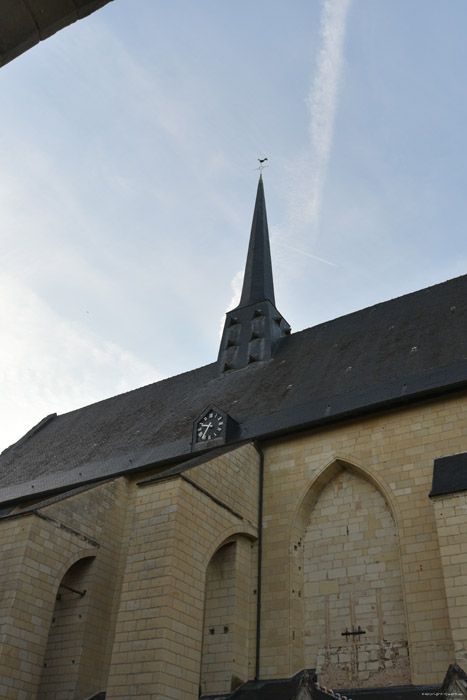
[261, 166]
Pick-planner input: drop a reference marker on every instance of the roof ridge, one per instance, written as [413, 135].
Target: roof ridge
[416, 292]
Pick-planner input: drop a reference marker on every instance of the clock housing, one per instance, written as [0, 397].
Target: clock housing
[212, 427]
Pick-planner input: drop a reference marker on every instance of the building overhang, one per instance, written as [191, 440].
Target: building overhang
[24, 23]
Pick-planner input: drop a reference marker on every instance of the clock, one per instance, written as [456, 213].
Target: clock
[210, 427]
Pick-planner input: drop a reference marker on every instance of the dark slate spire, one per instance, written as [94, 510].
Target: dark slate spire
[257, 282]
[253, 329]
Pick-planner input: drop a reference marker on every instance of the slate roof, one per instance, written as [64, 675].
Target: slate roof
[281, 689]
[397, 351]
[401, 692]
[289, 689]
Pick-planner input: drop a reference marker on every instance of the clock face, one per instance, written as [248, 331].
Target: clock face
[210, 427]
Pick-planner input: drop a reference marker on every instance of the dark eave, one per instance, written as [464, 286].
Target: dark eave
[24, 23]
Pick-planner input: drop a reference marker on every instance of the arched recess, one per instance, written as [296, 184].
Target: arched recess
[348, 614]
[230, 534]
[228, 638]
[72, 666]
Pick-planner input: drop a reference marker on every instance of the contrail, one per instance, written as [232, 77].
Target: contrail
[303, 252]
[322, 99]
[306, 195]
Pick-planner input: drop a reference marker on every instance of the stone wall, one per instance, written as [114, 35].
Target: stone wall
[38, 549]
[393, 451]
[177, 526]
[354, 618]
[451, 521]
[218, 621]
[350, 538]
[226, 650]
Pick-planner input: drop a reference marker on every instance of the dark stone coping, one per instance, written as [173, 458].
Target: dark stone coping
[397, 692]
[449, 474]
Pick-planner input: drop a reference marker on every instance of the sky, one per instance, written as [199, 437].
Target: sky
[128, 154]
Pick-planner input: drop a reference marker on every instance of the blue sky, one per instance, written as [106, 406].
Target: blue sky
[127, 180]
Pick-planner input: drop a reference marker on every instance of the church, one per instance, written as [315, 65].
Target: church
[287, 520]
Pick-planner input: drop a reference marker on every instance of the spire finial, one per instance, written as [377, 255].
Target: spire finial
[261, 168]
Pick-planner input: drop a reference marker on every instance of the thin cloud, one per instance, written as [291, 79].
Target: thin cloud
[305, 198]
[323, 96]
[236, 284]
[50, 364]
[322, 99]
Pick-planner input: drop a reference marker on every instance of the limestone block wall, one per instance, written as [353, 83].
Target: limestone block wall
[38, 550]
[226, 649]
[233, 478]
[394, 451]
[218, 621]
[354, 618]
[63, 665]
[19, 636]
[350, 538]
[177, 526]
[451, 521]
[244, 630]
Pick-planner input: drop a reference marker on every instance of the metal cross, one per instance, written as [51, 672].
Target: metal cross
[353, 633]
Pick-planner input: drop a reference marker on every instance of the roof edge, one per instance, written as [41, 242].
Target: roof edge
[403, 390]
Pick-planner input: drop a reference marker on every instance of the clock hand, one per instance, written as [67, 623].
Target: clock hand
[209, 425]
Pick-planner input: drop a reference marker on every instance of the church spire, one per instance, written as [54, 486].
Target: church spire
[257, 282]
[253, 329]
